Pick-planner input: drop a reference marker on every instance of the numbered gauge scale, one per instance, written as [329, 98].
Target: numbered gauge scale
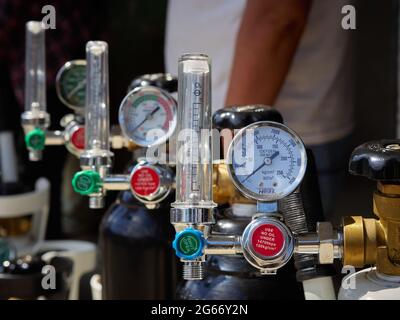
[147, 116]
[267, 161]
[71, 85]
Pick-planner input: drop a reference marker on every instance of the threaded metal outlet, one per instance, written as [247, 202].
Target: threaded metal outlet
[96, 202]
[193, 270]
[35, 155]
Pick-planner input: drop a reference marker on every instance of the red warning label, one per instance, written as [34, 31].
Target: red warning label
[267, 240]
[145, 181]
[78, 138]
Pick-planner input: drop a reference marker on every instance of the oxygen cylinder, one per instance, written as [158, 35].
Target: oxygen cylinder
[232, 277]
[380, 238]
[135, 240]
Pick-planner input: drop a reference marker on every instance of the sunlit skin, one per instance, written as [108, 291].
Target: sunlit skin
[266, 43]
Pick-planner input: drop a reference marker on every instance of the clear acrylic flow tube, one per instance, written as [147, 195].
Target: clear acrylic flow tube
[194, 154]
[97, 98]
[35, 67]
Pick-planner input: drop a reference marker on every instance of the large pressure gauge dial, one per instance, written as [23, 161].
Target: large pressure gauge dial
[266, 161]
[71, 84]
[147, 116]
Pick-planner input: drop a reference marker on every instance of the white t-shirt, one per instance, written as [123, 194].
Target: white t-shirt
[315, 99]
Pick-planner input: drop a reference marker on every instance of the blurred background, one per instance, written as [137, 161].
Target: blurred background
[135, 32]
[376, 91]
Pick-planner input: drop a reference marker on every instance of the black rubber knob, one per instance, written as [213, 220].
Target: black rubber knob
[160, 80]
[377, 160]
[237, 117]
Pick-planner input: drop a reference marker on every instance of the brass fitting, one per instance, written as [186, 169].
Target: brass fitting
[224, 191]
[361, 239]
[372, 241]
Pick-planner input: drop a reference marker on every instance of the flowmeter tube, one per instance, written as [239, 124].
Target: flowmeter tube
[96, 160]
[194, 165]
[192, 212]
[35, 120]
[35, 67]
[97, 139]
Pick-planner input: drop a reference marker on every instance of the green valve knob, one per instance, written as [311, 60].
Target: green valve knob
[86, 182]
[189, 244]
[35, 139]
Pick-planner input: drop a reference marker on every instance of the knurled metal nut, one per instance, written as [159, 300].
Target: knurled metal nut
[326, 248]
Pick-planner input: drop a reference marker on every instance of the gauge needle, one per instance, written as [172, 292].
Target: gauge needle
[274, 155]
[267, 161]
[149, 115]
[250, 175]
[79, 86]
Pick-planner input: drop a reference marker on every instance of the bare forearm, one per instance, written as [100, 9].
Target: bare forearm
[265, 46]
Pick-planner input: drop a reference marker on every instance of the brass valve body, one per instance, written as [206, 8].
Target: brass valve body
[372, 241]
[224, 191]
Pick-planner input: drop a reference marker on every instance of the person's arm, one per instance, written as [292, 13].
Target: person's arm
[265, 46]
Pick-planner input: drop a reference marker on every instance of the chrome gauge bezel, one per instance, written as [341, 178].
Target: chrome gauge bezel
[138, 93]
[282, 193]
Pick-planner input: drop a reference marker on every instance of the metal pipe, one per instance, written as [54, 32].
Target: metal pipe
[223, 245]
[307, 244]
[54, 138]
[116, 182]
[310, 244]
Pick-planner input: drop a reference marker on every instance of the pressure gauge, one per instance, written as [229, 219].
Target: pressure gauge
[147, 116]
[71, 84]
[267, 161]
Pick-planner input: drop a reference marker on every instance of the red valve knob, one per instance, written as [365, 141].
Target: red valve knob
[267, 240]
[145, 181]
[78, 138]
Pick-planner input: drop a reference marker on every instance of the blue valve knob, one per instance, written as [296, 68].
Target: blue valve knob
[189, 244]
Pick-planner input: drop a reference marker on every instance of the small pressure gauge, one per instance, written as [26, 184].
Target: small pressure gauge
[71, 84]
[266, 161]
[147, 116]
